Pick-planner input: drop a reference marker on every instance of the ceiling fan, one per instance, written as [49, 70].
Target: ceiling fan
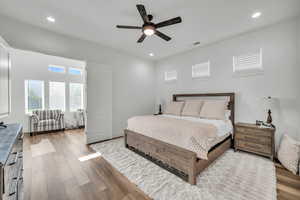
[149, 28]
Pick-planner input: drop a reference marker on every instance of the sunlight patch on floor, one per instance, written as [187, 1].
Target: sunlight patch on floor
[43, 147]
[89, 157]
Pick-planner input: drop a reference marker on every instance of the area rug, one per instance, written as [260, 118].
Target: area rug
[233, 176]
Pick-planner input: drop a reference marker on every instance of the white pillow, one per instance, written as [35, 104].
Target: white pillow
[214, 109]
[192, 108]
[289, 153]
[174, 108]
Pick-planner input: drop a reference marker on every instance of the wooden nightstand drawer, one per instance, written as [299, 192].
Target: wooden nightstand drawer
[253, 138]
[255, 132]
[253, 147]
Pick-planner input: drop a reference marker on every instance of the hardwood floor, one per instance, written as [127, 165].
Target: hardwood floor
[53, 172]
[288, 184]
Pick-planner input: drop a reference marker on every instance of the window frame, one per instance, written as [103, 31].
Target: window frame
[57, 66]
[82, 96]
[202, 76]
[173, 79]
[26, 83]
[251, 70]
[49, 99]
[73, 68]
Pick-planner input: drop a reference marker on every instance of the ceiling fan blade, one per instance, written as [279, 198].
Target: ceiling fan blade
[169, 22]
[129, 27]
[143, 13]
[141, 39]
[163, 36]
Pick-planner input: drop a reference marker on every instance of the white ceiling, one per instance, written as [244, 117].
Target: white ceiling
[203, 20]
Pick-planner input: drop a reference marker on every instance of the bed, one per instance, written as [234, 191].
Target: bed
[158, 139]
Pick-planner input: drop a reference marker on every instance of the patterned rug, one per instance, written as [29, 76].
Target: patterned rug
[233, 176]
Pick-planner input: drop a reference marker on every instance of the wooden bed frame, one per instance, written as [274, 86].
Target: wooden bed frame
[177, 160]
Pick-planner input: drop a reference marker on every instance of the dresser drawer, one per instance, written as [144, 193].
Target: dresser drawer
[254, 132]
[253, 147]
[253, 138]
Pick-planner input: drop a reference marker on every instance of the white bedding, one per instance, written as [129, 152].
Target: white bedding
[223, 126]
[194, 134]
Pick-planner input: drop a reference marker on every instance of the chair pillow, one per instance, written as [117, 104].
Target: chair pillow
[214, 109]
[289, 153]
[174, 108]
[192, 108]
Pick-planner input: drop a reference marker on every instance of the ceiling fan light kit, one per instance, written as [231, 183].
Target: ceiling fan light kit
[149, 28]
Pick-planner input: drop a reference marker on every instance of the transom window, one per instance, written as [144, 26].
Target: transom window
[201, 70]
[171, 75]
[75, 71]
[248, 62]
[57, 69]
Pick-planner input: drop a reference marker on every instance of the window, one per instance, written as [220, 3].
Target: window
[75, 71]
[34, 95]
[57, 95]
[171, 75]
[248, 62]
[76, 96]
[201, 70]
[57, 69]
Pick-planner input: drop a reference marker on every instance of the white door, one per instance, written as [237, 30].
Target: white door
[99, 103]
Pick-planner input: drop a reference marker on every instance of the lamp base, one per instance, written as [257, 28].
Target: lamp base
[269, 119]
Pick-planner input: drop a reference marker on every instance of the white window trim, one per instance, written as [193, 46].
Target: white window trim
[202, 76]
[172, 79]
[57, 66]
[27, 112]
[251, 70]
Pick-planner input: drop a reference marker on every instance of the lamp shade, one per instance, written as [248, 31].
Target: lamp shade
[268, 103]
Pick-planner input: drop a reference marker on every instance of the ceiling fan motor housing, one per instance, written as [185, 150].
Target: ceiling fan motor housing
[150, 17]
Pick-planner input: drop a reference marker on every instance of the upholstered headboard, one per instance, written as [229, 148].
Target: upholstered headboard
[229, 96]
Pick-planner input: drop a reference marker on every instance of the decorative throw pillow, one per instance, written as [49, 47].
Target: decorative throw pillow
[174, 108]
[214, 109]
[289, 153]
[192, 108]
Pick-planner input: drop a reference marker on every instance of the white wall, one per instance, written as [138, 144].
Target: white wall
[132, 77]
[280, 80]
[28, 65]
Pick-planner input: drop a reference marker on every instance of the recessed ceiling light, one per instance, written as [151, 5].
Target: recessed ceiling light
[51, 19]
[256, 15]
[151, 54]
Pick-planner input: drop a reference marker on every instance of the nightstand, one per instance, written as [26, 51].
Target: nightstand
[254, 139]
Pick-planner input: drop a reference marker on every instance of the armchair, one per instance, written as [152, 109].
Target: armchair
[46, 120]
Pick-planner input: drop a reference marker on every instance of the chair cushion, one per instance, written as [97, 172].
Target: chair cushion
[289, 153]
[47, 122]
[47, 114]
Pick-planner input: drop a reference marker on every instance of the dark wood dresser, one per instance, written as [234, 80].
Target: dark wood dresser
[254, 139]
[11, 162]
